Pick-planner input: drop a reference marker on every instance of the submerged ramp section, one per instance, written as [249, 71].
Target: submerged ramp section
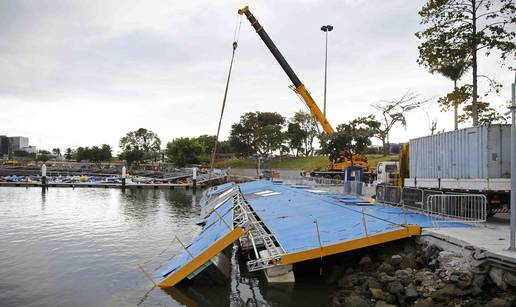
[217, 234]
[309, 224]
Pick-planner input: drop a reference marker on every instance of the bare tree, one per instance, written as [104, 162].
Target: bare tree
[432, 122]
[393, 112]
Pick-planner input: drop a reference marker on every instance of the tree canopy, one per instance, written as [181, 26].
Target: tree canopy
[93, 154]
[257, 132]
[143, 143]
[307, 131]
[183, 151]
[348, 139]
[458, 29]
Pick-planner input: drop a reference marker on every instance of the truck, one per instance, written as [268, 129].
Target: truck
[473, 160]
[387, 173]
[334, 170]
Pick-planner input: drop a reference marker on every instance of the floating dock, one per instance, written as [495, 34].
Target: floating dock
[287, 224]
[201, 182]
[100, 185]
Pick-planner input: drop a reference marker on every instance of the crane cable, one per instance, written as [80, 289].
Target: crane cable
[236, 36]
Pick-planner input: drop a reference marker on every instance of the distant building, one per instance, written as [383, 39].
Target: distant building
[17, 143]
[29, 149]
[224, 156]
[4, 145]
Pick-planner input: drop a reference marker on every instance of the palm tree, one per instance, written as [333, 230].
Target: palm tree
[453, 70]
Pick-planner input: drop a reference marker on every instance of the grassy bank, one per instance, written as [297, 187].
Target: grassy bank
[306, 163]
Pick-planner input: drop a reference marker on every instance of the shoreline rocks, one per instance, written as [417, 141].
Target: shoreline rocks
[408, 274]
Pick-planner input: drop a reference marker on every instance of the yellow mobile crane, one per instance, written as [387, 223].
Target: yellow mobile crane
[333, 169]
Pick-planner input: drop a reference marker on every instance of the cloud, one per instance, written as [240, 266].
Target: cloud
[79, 73]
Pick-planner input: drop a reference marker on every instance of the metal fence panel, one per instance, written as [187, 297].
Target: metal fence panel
[412, 197]
[470, 208]
[380, 193]
[392, 195]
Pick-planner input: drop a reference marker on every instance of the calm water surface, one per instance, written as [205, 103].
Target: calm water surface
[82, 247]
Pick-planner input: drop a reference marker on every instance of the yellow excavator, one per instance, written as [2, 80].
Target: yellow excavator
[333, 169]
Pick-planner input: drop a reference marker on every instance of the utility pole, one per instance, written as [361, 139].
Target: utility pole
[326, 29]
[512, 246]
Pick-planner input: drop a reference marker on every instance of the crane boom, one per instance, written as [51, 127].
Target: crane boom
[300, 89]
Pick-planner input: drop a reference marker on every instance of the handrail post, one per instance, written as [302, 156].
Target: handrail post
[364, 222]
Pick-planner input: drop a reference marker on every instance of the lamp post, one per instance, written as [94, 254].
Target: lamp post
[512, 246]
[325, 29]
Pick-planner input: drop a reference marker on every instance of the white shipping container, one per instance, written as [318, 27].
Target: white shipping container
[471, 153]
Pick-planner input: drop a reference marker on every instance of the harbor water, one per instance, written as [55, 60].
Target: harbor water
[82, 247]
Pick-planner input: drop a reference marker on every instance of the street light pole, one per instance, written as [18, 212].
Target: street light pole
[512, 245]
[325, 29]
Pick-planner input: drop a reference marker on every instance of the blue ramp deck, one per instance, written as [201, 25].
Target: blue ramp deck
[291, 212]
[305, 223]
[216, 235]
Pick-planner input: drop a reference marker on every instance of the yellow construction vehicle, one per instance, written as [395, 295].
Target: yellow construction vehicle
[333, 169]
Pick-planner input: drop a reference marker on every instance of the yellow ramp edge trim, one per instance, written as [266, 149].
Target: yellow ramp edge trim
[205, 256]
[410, 230]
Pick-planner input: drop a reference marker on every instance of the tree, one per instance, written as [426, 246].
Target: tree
[295, 136]
[348, 139]
[461, 28]
[142, 140]
[393, 112]
[224, 147]
[486, 114]
[257, 132]
[42, 156]
[56, 152]
[207, 143]
[80, 154]
[242, 140]
[68, 154]
[309, 128]
[94, 154]
[132, 157]
[453, 70]
[105, 152]
[183, 151]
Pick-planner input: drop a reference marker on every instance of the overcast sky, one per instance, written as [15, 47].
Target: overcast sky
[83, 73]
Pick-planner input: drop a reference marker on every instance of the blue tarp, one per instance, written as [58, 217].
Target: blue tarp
[290, 214]
[214, 230]
[213, 191]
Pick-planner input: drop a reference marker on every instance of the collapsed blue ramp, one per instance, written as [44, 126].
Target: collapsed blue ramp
[307, 220]
[216, 235]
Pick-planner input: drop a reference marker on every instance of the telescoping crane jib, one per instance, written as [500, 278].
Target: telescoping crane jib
[300, 89]
[333, 169]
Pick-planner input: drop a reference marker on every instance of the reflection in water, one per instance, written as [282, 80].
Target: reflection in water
[43, 198]
[85, 246]
[141, 204]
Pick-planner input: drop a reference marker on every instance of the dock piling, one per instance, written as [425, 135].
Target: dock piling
[194, 179]
[44, 176]
[123, 177]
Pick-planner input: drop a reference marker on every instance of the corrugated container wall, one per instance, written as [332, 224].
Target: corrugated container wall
[471, 153]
